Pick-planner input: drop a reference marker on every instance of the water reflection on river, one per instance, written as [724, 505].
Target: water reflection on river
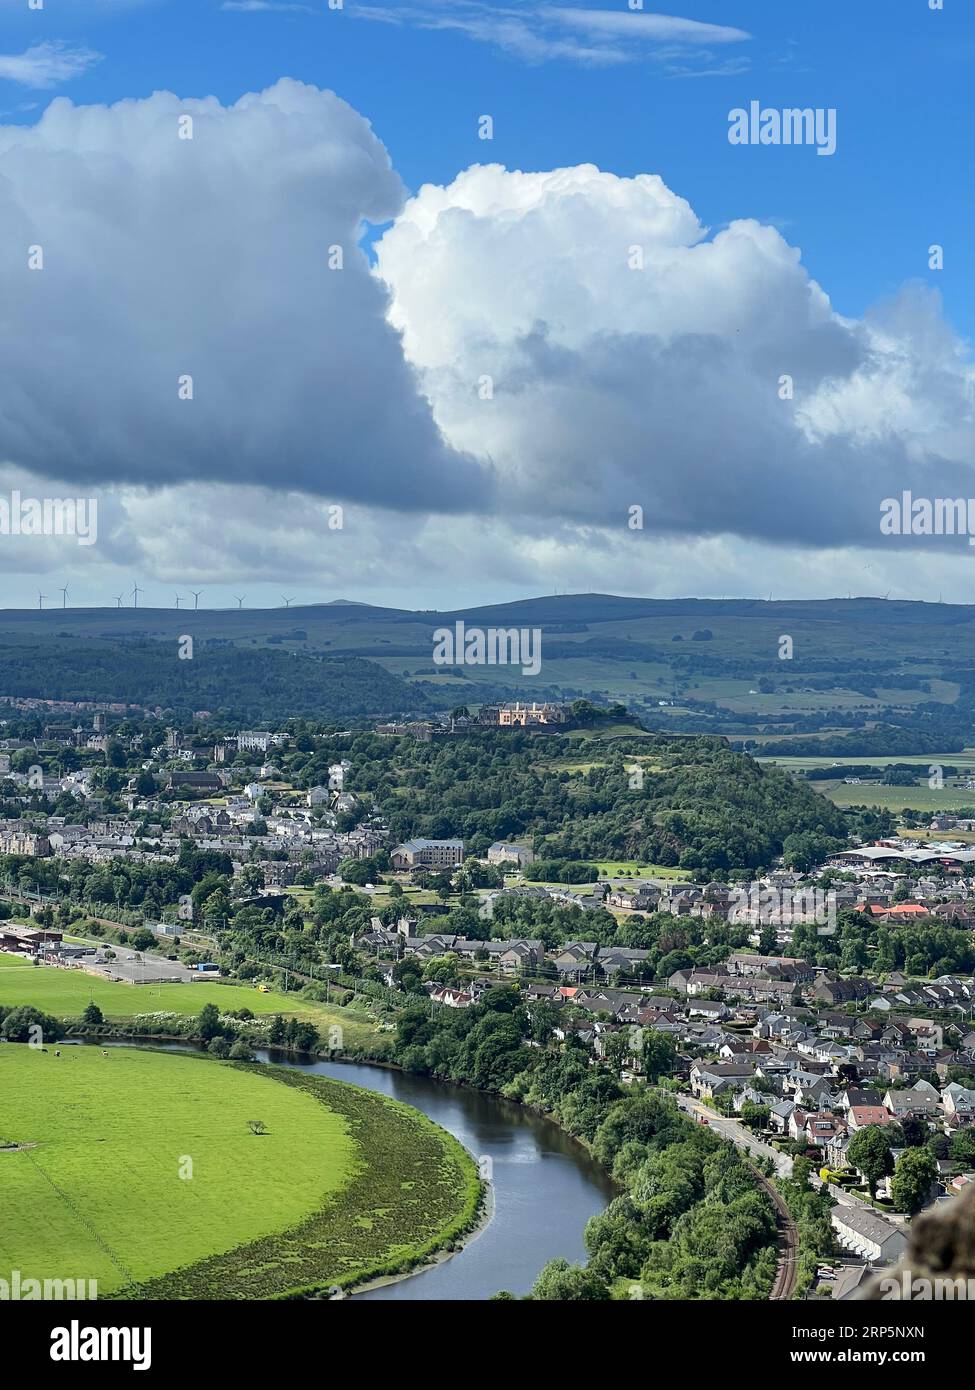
[545, 1187]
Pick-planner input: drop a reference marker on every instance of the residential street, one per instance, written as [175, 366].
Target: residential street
[744, 1139]
[737, 1133]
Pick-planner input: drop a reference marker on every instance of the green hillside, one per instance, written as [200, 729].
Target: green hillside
[850, 667]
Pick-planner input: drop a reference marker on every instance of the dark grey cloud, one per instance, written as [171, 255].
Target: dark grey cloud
[209, 257]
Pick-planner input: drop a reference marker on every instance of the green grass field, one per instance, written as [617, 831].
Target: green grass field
[101, 1196]
[951, 797]
[964, 761]
[302, 896]
[965, 837]
[919, 798]
[66, 993]
[140, 1170]
[417, 1192]
[412, 897]
[644, 760]
[615, 868]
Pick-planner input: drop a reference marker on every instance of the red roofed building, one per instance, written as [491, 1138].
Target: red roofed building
[899, 912]
[859, 1116]
[822, 1128]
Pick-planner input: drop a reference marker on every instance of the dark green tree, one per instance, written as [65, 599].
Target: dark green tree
[869, 1150]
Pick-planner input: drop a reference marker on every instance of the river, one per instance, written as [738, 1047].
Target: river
[544, 1186]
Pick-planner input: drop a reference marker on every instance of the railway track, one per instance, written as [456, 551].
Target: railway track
[788, 1242]
[785, 1274]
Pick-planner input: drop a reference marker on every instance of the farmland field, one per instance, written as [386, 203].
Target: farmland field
[953, 796]
[964, 761]
[617, 868]
[101, 1197]
[964, 837]
[141, 1170]
[871, 657]
[66, 993]
[919, 798]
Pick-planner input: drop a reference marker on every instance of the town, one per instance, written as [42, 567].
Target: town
[817, 1012]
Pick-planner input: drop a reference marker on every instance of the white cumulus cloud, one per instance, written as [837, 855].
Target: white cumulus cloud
[616, 385]
[534, 354]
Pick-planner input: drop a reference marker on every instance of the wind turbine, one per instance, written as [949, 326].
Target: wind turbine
[240, 600]
[287, 601]
[118, 600]
[136, 591]
[64, 596]
[40, 599]
[196, 597]
[179, 600]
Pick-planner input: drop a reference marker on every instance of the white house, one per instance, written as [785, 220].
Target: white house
[867, 1234]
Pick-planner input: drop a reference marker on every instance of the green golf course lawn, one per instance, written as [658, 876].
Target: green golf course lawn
[141, 1170]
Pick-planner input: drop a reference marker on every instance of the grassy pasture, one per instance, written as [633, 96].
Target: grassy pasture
[952, 796]
[919, 798]
[965, 837]
[66, 993]
[614, 868]
[415, 1190]
[343, 1185]
[101, 1197]
[964, 761]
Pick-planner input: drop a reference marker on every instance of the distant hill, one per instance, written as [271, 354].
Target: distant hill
[263, 686]
[752, 669]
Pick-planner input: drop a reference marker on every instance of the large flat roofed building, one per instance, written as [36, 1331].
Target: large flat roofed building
[28, 940]
[873, 856]
[437, 854]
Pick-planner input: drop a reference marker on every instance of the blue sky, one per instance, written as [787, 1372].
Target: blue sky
[366, 390]
[898, 74]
